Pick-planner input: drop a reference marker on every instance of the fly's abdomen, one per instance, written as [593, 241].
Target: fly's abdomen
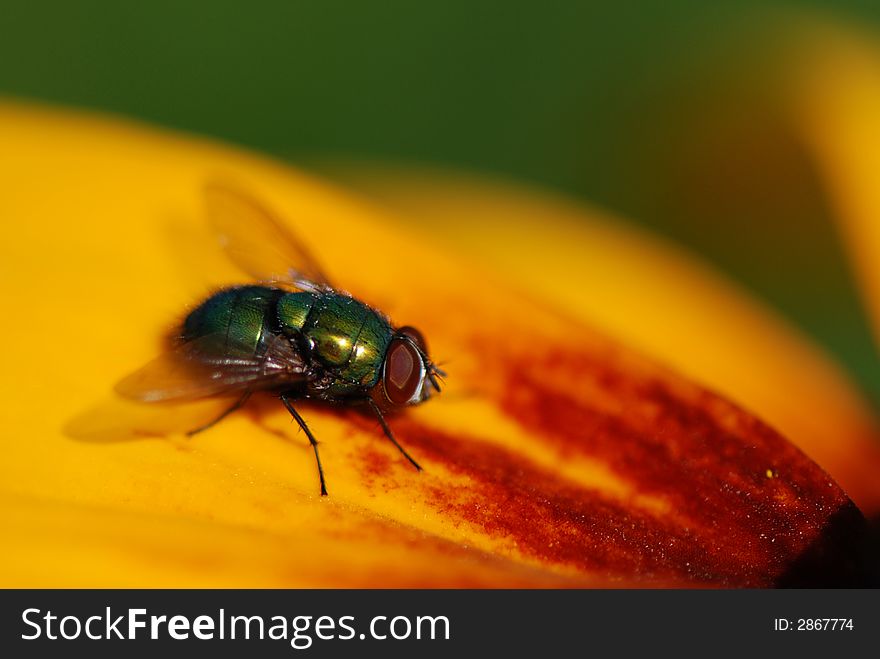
[294, 310]
[238, 318]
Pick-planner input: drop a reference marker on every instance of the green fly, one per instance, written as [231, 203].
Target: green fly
[293, 334]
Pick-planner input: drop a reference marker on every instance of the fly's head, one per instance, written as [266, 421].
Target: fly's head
[408, 377]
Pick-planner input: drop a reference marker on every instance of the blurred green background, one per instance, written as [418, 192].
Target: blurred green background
[659, 111]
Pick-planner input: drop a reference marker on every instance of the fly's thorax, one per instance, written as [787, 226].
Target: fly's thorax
[368, 355]
[333, 327]
[346, 337]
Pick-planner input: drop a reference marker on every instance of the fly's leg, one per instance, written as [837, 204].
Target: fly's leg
[229, 410]
[389, 434]
[312, 440]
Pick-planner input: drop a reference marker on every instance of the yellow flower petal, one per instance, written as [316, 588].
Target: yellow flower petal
[654, 296]
[556, 457]
[834, 92]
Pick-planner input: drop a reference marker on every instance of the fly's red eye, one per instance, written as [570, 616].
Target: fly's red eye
[416, 336]
[403, 371]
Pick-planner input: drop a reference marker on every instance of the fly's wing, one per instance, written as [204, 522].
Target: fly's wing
[257, 242]
[197, 369]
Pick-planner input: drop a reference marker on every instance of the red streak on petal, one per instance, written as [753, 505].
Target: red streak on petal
[727, 522]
